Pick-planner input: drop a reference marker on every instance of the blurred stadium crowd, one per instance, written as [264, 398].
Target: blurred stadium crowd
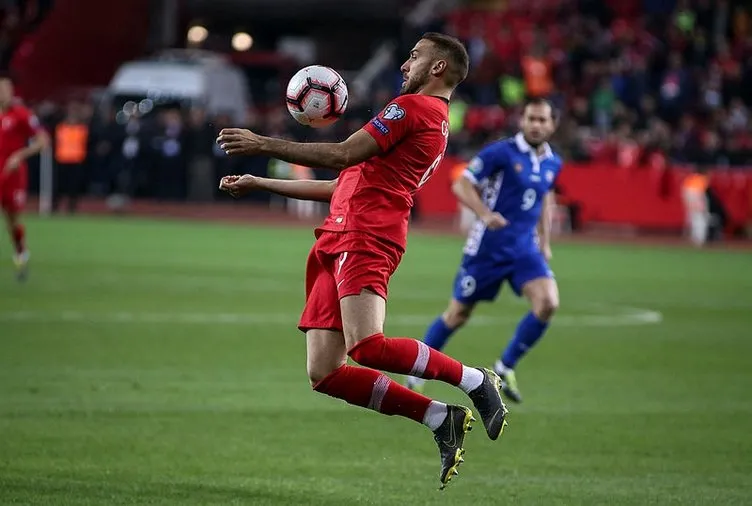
[638, 82]
[652, 82]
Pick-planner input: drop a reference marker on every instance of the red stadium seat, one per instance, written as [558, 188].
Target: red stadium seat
[626, 8]
[493, 23]
[495, 117]
[474, 119]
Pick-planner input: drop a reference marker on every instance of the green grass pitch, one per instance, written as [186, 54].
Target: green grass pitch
[157, 362]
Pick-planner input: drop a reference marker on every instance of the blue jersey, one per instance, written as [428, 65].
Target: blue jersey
[513, 181]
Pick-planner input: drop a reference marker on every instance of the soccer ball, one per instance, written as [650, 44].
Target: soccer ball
[316, 96]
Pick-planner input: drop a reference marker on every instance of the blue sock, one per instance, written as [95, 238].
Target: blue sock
[529, 330]
[438, 334]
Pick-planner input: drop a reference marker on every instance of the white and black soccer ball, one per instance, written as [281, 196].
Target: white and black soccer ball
[316, 96]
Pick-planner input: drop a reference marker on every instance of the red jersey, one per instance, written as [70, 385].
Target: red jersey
[17, 126]
[376, 195]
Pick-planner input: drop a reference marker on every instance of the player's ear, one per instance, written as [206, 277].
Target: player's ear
[439, 67]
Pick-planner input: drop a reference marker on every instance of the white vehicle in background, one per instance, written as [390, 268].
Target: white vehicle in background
[183, 78]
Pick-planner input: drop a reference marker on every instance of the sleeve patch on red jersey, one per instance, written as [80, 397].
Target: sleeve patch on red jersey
[380, 126]
[394, 112]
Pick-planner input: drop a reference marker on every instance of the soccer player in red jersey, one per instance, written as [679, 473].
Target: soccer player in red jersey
[21, 137]
[361, 243]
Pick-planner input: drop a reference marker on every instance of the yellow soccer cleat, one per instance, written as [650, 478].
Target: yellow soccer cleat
[21, 262]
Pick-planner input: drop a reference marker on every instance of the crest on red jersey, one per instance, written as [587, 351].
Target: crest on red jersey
[394, 112]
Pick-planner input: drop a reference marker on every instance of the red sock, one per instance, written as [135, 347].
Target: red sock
[373, 390]
[402, 355]
[19, 236]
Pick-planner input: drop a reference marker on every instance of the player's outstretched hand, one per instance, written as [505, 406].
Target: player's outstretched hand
[12, 164]
[238, 186]
[239, 141]
[494, 221]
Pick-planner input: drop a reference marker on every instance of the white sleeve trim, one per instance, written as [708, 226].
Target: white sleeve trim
[467, 174]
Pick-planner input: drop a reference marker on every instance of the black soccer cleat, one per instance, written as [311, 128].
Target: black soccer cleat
[487, 400]
[449, 437]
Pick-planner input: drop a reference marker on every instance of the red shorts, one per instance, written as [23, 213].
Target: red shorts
[341, 264]
[12, 194]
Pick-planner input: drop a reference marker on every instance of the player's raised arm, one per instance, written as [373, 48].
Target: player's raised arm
[379, 135]
[338, 156]
[319, 191]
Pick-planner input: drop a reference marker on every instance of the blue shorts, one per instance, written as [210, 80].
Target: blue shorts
[481, 280]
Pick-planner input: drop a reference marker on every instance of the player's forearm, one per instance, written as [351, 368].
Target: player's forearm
[315, 154]
[546, 219]
[467, 193]
[37, 144]
[319, 191]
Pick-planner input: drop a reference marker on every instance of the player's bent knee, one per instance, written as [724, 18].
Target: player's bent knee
[456, 319]
[317, 373]
[545, 307]
[457, 314]
[11, 220]
[325, 354]
[318, 370]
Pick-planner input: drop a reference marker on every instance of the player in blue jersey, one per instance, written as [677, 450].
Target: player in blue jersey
[509, 186]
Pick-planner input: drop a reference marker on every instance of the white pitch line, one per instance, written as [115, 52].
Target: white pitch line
[627, 317]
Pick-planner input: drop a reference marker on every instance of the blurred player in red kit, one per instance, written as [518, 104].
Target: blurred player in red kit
[361, 243]
[21, 137]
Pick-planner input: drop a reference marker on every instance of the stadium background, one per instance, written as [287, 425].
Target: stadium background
[153, 360]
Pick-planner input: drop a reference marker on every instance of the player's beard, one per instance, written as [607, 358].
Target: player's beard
[414, 84]
[535, 143]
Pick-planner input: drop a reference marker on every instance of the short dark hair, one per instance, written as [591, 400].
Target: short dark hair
[450, 48]
[541, 101]
[6, 74]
